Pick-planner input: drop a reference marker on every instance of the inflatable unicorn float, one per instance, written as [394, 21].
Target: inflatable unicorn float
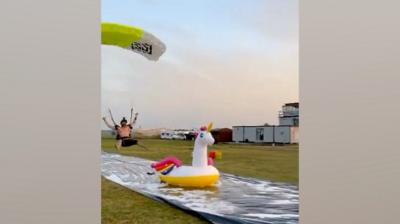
[201, 173]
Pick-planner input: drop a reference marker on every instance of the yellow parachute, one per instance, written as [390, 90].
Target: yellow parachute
[132, 38]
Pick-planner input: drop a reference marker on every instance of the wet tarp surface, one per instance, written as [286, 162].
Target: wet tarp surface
[234, 199]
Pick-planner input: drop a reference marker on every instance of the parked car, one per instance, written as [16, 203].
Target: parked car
[190, 136]
[179, 136]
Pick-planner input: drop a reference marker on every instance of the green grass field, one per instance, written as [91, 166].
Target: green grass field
[120, 205]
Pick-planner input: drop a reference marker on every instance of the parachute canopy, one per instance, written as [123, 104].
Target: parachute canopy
[132, 38]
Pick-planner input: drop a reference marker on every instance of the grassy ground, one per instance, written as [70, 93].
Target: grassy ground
[123, 206]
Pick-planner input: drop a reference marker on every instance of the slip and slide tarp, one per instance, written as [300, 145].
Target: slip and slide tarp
[234, 199]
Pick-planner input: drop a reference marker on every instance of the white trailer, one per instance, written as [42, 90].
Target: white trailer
[174, 134]
[265, 134]
[167, 134]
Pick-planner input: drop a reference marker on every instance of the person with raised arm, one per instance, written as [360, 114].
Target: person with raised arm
[123, 130]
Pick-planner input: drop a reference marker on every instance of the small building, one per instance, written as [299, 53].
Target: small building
[222, 134]
[287, 132]
[266, 134]
[289, 115]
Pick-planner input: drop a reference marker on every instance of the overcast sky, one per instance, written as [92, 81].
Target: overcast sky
[227, 61]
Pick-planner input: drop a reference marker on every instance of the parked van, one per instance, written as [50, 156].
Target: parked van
[166, 135]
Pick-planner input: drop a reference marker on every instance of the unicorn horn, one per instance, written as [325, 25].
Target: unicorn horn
[210, 125]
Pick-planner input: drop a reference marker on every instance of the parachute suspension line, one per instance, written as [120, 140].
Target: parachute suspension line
[112, 118]
[130, 119]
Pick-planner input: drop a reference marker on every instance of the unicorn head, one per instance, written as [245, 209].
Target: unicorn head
[203, 139]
